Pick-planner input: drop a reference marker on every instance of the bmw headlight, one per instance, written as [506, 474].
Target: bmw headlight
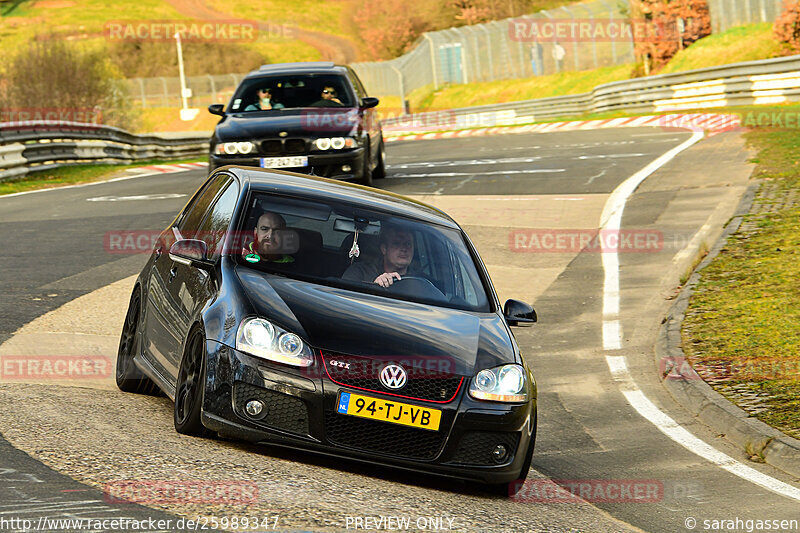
[335, 143]
[242, 147]
[502, 384]
[262, 338]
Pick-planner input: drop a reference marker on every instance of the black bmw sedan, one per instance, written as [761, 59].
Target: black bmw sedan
[316, 314]
[313, 118]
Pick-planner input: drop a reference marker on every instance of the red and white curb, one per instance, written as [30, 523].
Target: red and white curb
[168, 169]
[712, 123]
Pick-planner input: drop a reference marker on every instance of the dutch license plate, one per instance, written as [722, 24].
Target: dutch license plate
[284, 162]
[389, 411]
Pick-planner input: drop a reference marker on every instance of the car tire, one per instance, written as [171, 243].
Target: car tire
[380, 169]
[191, 386]
[128, 376]
[366, 172]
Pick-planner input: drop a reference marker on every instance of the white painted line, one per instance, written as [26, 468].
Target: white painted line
[612, 330]
[495, 173]
[612, 335]
[81, 185]
[677, 433]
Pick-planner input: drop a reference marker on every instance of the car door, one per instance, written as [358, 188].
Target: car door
[160, 331]
[369, 118]
[191, 288]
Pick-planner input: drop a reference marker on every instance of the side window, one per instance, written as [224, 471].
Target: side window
[215, 226]
[356, 85]
[190, 222]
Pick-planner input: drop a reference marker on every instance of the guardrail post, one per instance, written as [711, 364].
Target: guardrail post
[141, 92]
[611, 13]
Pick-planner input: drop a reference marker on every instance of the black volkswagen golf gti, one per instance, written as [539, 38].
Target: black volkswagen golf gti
[314, 118]
[316, 314]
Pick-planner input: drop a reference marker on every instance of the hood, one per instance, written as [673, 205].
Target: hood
[304, 122]
[347, 322]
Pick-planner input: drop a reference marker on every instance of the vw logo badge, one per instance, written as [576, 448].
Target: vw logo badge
[393, 377]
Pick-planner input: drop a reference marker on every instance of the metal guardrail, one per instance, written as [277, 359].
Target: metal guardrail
[768, 81]
[41, 145]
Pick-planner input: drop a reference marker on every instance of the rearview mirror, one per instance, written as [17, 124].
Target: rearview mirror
[217, 109]
[519, 313]
[190, 252]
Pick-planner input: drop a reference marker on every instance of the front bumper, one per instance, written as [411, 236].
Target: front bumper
[326, 165]
[301, 413]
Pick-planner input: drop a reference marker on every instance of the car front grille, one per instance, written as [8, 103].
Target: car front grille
[282, 411]
[295, 146]
[475, 447]
[272, 147]
[275, 147]
[424, 383]
[383, 437]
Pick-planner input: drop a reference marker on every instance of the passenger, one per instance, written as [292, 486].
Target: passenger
[265, 101]
[397, 252]
[269, 240]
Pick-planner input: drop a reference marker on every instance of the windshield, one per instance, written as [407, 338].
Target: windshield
[291, 91]
[351, 247]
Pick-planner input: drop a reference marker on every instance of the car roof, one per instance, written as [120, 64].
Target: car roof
[314, 187]
[308, 67]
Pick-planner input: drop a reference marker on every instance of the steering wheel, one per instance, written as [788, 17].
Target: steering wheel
[417, 286]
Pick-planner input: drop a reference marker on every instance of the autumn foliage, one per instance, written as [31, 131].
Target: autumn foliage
[787, 27]
[389, 28]
[664, 36]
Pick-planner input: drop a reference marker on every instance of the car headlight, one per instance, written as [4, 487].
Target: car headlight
[502, 384]
[262, 338]
[336, 143]
[241, 147]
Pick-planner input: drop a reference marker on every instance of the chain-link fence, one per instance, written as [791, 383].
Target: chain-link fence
[728, 13]
[166, 91]
[578, 37]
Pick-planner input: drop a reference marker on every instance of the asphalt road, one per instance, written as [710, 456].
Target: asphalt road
[496, 187]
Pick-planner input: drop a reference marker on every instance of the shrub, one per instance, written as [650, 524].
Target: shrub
[787, 27]
[51, 74]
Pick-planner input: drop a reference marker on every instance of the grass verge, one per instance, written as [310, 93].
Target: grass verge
[73, 175]
[741, 330]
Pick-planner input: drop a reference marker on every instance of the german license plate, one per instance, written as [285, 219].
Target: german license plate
[388, 411]
[284, 162]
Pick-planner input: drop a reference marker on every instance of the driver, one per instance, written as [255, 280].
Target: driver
[397, 252]
[268, 243]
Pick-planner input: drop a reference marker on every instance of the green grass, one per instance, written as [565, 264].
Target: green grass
[742, 43]
[744, 313]
[72, 175]
[325, 16]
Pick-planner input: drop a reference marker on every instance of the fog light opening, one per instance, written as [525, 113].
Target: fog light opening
[500, 453]
[346, 168]
[254, 408]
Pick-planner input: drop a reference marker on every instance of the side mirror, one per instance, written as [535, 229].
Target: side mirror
[519, 313]
[369, 102]
[190, 252]
[217, 109]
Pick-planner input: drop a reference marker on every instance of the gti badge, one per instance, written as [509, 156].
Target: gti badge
[283, 134]
[393, 377]
[339, 364]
